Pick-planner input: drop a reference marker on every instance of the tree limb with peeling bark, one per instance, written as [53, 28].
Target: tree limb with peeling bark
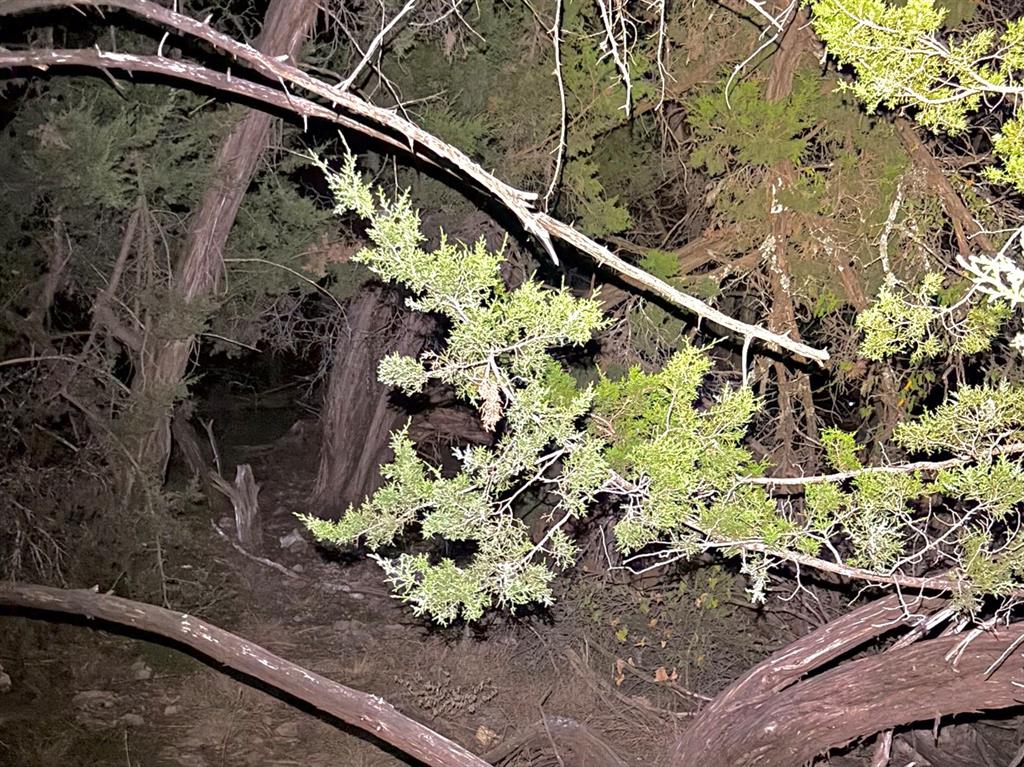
[355, 113]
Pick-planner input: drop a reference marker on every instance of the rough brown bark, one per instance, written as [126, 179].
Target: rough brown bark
[370, 713]
[778, 716]
[163, 368]
[357, 417]
[970, 237]
[793, 387]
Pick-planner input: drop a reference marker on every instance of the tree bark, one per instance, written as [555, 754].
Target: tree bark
[381, 124]
[779, 716]
[163, 368]
[970, 237]
[370, 713]
[793, 444]
[357, 417]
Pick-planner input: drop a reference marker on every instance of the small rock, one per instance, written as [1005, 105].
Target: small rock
[287, 730]
[131, 720]
[141, 671]
[295, 540]
[225, 523]
[298, 569]
[187, 760]
[5, 681]
[171, 710]
[93, 699]
[354, 631]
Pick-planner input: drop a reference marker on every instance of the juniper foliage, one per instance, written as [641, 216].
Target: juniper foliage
[669, 456]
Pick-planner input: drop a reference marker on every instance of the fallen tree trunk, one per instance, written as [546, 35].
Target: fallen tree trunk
[359, 709]
[777, 715]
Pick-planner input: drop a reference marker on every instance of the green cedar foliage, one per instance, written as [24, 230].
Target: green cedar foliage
[496, 357]
[672, 459]
[847, 169]
[929, 320]
[502, 107]
[901, 59]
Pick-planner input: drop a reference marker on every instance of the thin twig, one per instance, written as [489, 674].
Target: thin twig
[563, 125]
[902, 468]
[374, 45]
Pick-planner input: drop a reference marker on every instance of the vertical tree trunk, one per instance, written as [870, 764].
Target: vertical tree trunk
[357, 416]
[794, 449]
[163, 367]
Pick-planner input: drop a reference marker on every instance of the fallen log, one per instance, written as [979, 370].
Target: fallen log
[795, 705]
[367, 712]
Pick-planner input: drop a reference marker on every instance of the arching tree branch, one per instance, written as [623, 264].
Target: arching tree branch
[369, 119]
[367, 712]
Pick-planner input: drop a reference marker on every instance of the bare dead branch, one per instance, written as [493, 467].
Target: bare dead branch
[928, 467]
[370, 713]
[374, 45]
[383, 124]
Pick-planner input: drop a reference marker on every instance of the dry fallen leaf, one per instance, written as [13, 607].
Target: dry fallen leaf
[661, 675]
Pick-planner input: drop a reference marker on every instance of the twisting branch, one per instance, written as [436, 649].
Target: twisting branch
[367, 118]
[374, 45]
[663, 73]
[369, 713]
[778, 24]
[563, 123]
[619, 53]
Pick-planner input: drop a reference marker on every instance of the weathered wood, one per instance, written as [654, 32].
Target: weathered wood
[357, 417]
[370, 713]
[379, 123]
[970, 236]
[777, 716]
[244, 497]
[197, 457]
[200, 266]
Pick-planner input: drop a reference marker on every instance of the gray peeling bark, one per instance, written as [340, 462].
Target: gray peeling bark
[357, 417]
[370, 713]
[775, 716]
[286, 25]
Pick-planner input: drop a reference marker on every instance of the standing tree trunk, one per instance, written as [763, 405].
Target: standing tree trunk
[794, 445]
[357, 417]
[164, 365]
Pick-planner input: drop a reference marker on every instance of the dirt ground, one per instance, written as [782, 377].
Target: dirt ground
[629, 660]
[83, 696]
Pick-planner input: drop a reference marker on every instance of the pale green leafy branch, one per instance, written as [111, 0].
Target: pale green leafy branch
[672, 462]
[930, 319]
[901, 60]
